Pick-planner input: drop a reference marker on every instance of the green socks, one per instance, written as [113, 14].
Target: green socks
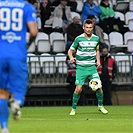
[75, 100]
[77, 96]
[99, 98]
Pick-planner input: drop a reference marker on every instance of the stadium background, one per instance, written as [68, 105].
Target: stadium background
[48, 99]
[47, 84]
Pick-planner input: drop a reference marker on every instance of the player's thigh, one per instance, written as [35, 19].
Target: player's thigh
[94, 74]
[4, 93]
[81, 76]
[18, 77]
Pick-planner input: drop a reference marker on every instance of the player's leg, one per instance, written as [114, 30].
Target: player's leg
[4, 110]
[4, 95]
[99, 95]
[99, 92]
[17, 86]
[81, 75]
[76, 96]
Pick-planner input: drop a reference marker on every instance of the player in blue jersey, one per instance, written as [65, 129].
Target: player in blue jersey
[16, 17]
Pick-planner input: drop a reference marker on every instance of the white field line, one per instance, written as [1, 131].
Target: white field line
[85, 119]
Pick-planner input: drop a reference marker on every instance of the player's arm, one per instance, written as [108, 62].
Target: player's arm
[97, 56]
[72, 50]
[70, 54]
[33, 32]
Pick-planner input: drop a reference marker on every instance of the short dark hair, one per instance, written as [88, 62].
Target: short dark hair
[91, 17]
[88, 21]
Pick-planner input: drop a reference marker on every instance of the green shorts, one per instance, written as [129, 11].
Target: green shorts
[82, 72]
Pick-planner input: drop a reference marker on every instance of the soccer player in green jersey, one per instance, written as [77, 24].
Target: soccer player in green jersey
[87, 61]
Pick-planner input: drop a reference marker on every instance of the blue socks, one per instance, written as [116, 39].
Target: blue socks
[4, 113]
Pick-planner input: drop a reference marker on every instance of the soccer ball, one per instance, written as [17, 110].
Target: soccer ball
[95, 84]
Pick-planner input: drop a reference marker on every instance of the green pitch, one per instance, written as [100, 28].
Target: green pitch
[87, 120]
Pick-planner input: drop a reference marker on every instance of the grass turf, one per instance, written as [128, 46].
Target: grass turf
[87, 120]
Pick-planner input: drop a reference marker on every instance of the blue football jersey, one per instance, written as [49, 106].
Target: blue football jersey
[14, 16]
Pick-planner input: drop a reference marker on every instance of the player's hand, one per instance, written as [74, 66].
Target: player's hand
[110, 79]
[98, 64]
[73, 60]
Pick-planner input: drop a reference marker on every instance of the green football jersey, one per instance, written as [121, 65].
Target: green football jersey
[86, 49]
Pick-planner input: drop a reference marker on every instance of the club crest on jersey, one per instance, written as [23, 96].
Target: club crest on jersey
[11, 37]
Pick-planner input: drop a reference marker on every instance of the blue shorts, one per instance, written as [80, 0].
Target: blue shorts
[14, 77]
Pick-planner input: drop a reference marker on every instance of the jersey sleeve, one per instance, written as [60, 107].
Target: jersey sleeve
[75, 44]
[98, 43]
[30, 13]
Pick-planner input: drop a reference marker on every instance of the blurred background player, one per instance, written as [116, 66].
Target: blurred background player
[15, 17]
[107, 72]
[86, 47]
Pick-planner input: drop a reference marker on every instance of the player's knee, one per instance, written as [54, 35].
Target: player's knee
[78, 89]
[4, 93]
[100, 90]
